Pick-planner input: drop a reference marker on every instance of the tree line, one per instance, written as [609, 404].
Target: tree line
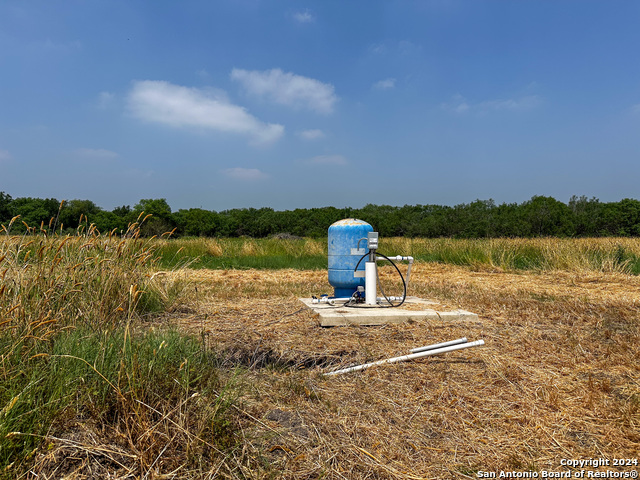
[539, 216]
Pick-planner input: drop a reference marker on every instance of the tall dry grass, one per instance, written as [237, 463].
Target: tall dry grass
[543, 254]
[537, 254]
[91, 383]
[51, 281]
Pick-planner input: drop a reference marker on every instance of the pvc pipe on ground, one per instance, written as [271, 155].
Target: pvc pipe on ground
[439, 345]
[412, 356]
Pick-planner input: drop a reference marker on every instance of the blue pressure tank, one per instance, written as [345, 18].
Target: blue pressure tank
[343, 236]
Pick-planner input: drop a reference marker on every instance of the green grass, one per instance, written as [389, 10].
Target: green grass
[243, 253]
[541, 254]
[116, 378]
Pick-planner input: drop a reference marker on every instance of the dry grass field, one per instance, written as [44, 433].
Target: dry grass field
[114, 366]
[558, 378]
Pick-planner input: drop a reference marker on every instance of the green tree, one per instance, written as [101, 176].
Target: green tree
[5, 207]
[160, 221]
[196, 222]
[73, 209]
[621, 218]
[35, 212]
[587, 214]
[548, 217]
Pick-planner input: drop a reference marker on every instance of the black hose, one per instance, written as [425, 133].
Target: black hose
[404, 284]
[358, 264]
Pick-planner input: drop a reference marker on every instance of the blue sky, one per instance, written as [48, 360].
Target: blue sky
[298, 104]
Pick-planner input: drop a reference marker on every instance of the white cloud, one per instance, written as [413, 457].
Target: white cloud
[245, 174]
[184, 107]
[288, 89]
[303, 17]
[311, 134]
[385, 84]
[460, 105]
[5, 155]
[326, 160]
[96, 153]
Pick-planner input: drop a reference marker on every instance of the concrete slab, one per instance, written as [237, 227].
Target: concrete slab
[414, 308]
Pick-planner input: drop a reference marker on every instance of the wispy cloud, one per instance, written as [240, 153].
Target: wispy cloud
[184, 107]
[385, 84]
[311, 134]
[56, 47]
[96, 153]
[395, 47]
[61, 47]
[379, 48]
[288, 89]
[105, 99]
[460, 105]
[5, 156]
[203, 74]
[405, 47]
[326, 160]
[303, 17]
[522, 103]
[245, 174]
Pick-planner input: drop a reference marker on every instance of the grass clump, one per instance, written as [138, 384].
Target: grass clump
[50, 281]
[145, 393]
[88, 384]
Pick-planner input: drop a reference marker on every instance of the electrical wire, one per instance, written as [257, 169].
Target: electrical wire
[358, 264]
[404, 284]
[391, 304]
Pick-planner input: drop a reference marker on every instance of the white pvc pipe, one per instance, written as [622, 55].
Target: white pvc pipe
[400, 258]
[330, 300]
[439, 345]
[370, 284]
[404, 358]
[391, 299]
[397, 258]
